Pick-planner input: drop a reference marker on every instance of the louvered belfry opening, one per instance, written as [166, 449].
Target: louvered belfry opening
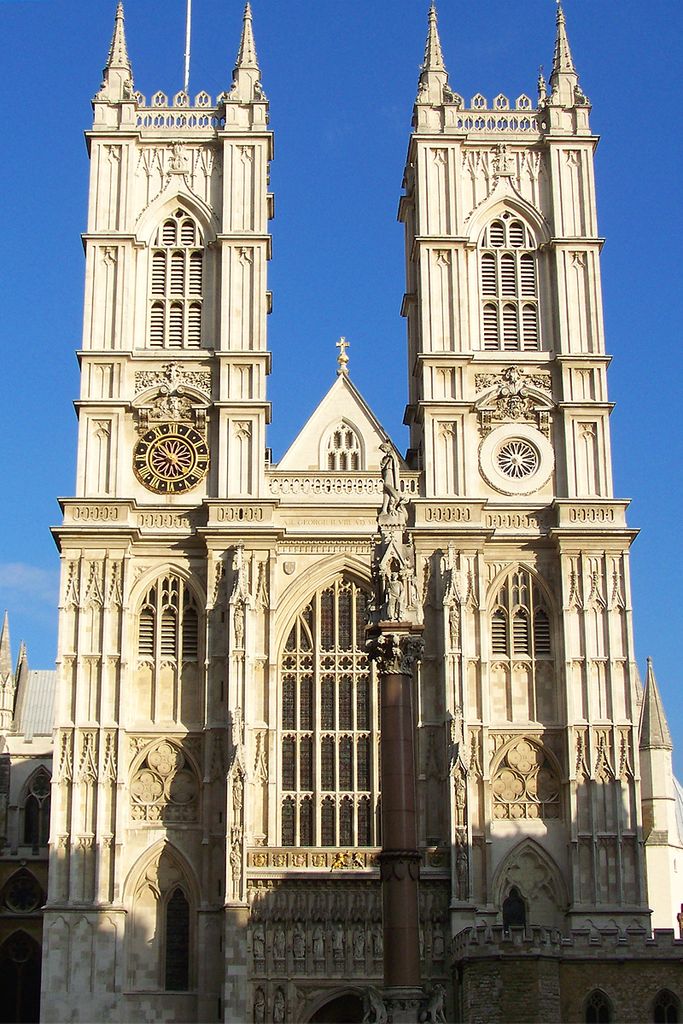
[509, 286]
[329, 717]
[176, 284]
[168, 622]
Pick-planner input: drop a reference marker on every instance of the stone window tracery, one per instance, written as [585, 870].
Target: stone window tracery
[165, 787]
[520, 622]
[509, 286]
[525, 784]
[666, 1008]
[176, 284]
[22, 893]
[329, 767]
[37, 809]
[343, 449]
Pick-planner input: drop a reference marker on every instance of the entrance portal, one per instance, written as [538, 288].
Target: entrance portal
[346, 1009]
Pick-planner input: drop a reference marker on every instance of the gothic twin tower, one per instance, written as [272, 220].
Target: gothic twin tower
[216, 771]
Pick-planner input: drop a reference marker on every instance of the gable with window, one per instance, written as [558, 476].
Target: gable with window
[508, 272]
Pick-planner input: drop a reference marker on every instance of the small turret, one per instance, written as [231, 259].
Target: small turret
[433, 74]
[7, 680]
[246, 76]
[5, 650]
[117, 76]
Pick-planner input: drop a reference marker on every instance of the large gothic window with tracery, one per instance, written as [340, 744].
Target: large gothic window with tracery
[509, 286]
[522, 651]
[176, 284]
[329, 720]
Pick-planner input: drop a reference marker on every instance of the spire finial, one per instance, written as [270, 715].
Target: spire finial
[5, 652]
[117, 81]
[342, 358]
[433, 73]
[246, 75]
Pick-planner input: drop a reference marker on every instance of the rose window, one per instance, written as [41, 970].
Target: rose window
[164, 788]
[517, 459]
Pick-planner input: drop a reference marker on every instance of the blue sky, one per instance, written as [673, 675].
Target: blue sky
[341, 79]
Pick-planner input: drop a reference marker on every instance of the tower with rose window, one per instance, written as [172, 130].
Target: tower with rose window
[216, 790]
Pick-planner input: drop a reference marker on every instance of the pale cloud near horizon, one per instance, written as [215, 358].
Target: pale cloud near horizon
[21, 580]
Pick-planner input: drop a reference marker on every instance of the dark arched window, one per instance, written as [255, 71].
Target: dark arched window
[37, 810]
[598, 1008]
[666, 1009]
[177, 973]
[514, 910]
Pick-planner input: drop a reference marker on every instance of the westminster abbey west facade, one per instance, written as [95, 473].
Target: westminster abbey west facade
[215, 819]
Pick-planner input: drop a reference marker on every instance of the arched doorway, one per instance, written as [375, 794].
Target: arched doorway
[344, 1009]
[19, 979]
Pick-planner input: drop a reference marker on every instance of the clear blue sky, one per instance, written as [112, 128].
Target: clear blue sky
[341, 78]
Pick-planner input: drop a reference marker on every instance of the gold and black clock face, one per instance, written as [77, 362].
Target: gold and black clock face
[171, 458]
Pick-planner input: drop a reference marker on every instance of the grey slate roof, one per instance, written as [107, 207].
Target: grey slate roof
[35, 709]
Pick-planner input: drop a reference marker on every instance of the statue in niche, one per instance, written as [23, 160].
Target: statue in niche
[259, 943]
[338, 940]
[279, 943]
[238, 624]
[259, 1006]
[378, 942]
[394, 592]
[389, 468]
[461, 864]
[438, 944]
[460, 797]
[359, 944]
[236, 866]
[318, 943]
[299, 943]
[279, 1007]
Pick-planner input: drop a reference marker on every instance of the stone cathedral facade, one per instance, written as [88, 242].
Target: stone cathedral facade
[215, 787]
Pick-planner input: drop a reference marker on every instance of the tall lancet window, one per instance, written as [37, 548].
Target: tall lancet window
[508, 271]
[522, 652]
[329, 722]
[176, 284]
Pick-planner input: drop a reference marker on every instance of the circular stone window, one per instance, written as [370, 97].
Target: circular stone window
[516, 459]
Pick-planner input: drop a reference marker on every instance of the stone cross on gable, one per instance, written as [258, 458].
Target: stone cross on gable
[342, 358]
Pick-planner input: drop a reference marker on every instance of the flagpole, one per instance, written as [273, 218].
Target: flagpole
[188, 28]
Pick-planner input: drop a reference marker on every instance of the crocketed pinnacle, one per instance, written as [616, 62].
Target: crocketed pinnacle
[564, 81]
[433, 73]
[246, 85]
[5, 651]
[118, 51]
[654, 729]
[246, 57]
[433, 54]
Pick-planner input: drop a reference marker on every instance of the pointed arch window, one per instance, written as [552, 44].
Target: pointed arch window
[508, 274]
[168, 623]
[343, 450]
[176, 284]
[37, 810]
[598, 1008]
[329, 756]
[666, 1008]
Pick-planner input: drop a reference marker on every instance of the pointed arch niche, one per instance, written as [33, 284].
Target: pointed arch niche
[161, 933]
[529, 877]
[524, 649]
[328, 723]
[168, 636]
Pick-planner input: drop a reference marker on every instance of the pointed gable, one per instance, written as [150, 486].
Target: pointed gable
[342, 435]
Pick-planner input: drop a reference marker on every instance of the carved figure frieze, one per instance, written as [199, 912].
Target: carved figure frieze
[395, 653]
[171, 378]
